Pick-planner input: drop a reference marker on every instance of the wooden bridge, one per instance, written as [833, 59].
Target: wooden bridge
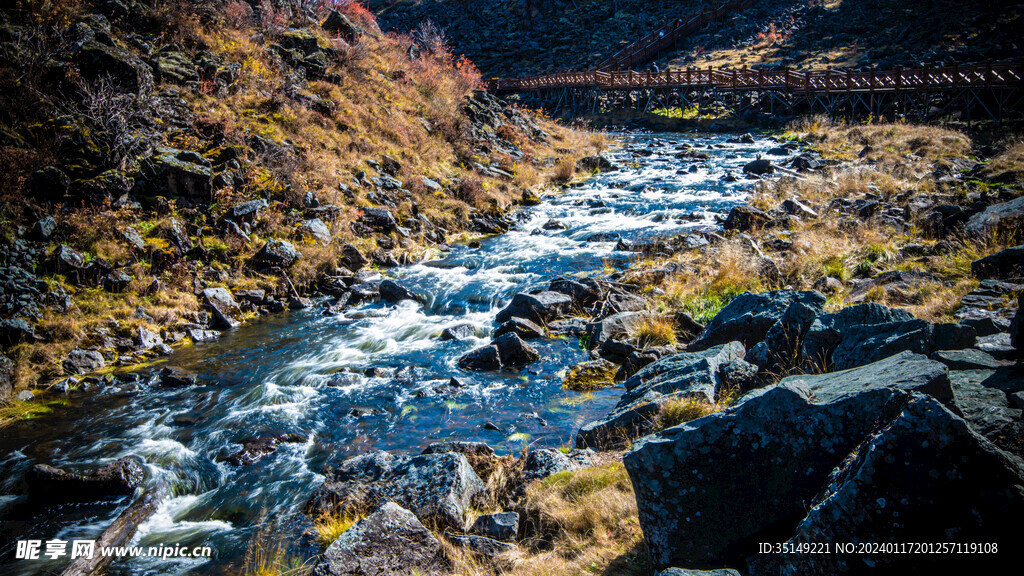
[989, 89]
[925, 93]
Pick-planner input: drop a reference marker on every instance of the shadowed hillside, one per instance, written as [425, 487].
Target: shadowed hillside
[508, 38]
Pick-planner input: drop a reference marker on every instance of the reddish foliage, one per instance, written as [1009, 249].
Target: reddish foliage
[355, 11]
[468, 73]
[274, 20]
[237, 13]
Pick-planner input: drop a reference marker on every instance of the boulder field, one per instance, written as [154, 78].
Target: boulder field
[889, 431]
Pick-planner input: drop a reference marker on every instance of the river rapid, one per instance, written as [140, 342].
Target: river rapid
[311, 373]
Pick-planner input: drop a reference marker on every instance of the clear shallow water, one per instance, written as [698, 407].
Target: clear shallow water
[272, 375]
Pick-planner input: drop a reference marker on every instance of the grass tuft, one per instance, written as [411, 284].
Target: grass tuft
[654, 331]
[330, 526]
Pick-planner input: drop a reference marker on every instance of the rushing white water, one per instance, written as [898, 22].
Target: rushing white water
[305, 372]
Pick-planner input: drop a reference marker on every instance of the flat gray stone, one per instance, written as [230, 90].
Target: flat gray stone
[389, 542]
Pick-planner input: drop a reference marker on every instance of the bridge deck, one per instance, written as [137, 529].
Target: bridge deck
[826, 81]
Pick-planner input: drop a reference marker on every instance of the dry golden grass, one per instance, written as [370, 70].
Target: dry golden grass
[653, 330]
[892, 145]
[901, 165]
[677, 411]
[330, 526]
[266, 555]
[565, 170]
[14, 410]
[585, 521]
[720, 274]
[1007, 166]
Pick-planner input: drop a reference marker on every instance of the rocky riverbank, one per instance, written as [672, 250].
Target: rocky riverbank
[865, 410]
[170, 180]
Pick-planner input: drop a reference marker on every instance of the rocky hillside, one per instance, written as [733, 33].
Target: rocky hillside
[530, 37]
[858, 34]
[173, 168]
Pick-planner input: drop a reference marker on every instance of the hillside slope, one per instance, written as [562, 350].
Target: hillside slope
[879, 34]
[530, 37]
[521, 38]
[155, 152]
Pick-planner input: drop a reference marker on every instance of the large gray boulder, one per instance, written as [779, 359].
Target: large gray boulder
[544, 462]
[969, 359]
[226, 312]
[615, 327]
[81, 361]
[481, 546]
[503, 526]
[389, 542]
[351, 258]
[507, 350]
[483, 358]
[14, 331]
[710, 489]
[759, 167]
[170, 172]
[904, 371]
[521, 327]
[924, 477]
[338, 24]
[314, 230]
[585, 292]
[391, 291]
[779, 349]
[826, 332]
[513, 351]
[690, 375]
[438, 488]
[744, 218]
[275, 254]
[1004, 217]
[987, 408]
[116, 480]
[864, 344]
[749, 316]
[119, 67]
[1003, 265]
[541, 308]
[601, 163]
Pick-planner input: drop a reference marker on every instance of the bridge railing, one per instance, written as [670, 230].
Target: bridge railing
[742, 79]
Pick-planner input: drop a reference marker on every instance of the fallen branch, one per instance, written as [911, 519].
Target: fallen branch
[119, 533]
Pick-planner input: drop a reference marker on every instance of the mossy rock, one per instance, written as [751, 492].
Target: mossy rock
[173, 172]
[223, 154]
[590, 376]
[74, 141]
[111, 184]
[300, 39]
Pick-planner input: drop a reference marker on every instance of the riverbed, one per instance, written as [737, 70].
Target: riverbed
[376, 376]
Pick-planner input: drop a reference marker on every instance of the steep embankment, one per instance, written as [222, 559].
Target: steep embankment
[531, 37]
[857, 34]
[158, 154]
